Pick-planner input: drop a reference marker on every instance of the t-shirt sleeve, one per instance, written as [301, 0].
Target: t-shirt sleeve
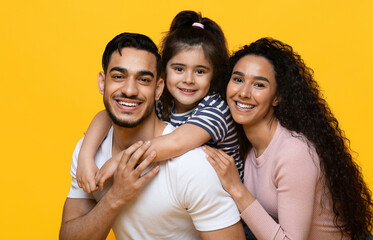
[75, 190]
[295, 176]
[202, 195]
[211, 119]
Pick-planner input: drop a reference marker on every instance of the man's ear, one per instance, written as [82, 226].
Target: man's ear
[159, 88]
[101, 82]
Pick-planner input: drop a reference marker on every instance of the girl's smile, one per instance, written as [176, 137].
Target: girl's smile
[189, 76]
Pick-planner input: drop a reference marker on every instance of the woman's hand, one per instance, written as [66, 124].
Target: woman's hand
[224, 166]
[227, 171]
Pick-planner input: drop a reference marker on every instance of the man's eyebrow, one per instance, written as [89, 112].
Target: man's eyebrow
[145, 72]
[119, 69]
[125, 71]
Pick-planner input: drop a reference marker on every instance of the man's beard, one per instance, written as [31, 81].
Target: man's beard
[125, 123]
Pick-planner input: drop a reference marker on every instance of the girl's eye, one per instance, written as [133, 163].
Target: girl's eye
[200, 71]
[179, 69]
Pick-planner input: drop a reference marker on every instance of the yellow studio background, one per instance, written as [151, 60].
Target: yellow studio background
[50, 57]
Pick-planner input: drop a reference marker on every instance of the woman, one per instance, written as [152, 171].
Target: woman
[300, 179]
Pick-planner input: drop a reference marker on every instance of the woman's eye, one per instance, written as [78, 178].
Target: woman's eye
[237, 79]
[260, 85]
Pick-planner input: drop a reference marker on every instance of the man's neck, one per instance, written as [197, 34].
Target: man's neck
[124, 137]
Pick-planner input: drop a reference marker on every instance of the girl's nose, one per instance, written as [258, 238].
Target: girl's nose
[189, 77]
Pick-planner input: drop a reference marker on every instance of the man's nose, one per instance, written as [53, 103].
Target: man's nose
[130, 87]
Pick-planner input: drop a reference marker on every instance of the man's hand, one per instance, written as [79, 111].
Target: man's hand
[127, 177]
[84, 219]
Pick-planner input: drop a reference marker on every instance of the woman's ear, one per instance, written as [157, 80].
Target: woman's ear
[159, 88]
[276, 100]
[101, 82]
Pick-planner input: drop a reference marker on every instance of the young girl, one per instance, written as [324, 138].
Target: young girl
[194, 55]
[300, 179]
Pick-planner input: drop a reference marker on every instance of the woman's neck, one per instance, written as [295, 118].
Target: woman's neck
[261, 134]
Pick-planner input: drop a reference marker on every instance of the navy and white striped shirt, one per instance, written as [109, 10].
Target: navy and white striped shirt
[212, 114]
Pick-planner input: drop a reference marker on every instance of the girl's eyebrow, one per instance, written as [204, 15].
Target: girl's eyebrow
[182, 64]
[202, 66]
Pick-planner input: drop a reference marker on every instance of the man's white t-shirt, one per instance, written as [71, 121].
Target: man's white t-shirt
[185, 196]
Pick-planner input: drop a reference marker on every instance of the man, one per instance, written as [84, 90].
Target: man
[177, 199]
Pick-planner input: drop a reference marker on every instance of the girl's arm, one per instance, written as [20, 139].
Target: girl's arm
[94, 136]
[182, 139]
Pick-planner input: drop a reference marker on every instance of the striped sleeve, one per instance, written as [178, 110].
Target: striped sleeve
[212, 120]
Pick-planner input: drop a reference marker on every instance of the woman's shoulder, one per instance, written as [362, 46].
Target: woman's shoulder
[295, 148]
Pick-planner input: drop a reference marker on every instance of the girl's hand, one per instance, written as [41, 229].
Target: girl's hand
[85, 175]
[224, 166]
[107, 170]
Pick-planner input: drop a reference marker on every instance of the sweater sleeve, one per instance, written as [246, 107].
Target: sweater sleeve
[294, 174]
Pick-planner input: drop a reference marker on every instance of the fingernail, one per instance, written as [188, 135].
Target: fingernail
[147, 143]
[152, 154]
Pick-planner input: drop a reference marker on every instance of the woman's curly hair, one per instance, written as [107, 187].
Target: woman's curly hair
[303, 109]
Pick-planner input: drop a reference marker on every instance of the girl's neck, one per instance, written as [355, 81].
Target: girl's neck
[179, 108]
[261, 134]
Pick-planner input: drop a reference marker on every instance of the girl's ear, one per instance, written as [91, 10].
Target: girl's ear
[101, 82]
[159, 88]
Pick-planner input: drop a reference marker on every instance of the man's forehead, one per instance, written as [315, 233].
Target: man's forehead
[132, 58]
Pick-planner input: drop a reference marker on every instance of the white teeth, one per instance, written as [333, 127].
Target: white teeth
[127, 104]
[187, 90]
[244, 106]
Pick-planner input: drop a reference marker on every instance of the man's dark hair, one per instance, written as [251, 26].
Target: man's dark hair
[130, 40]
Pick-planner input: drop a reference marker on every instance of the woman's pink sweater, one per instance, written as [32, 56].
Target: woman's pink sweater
[292, 201]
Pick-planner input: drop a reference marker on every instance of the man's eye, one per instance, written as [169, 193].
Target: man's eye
[118, 76]
[145, 80]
